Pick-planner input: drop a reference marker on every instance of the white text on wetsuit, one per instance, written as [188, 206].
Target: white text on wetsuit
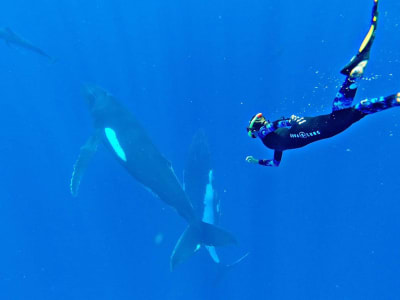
[304, 135]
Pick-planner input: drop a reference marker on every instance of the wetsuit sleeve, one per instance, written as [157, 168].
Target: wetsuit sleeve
[272, 126]
[284, 123]
[272, 162]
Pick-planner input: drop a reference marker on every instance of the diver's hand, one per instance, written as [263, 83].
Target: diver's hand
[250, 159]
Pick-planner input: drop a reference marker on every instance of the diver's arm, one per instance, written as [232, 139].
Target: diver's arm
[272, 126]
[267, 162]
[285, 122]
[272, 162]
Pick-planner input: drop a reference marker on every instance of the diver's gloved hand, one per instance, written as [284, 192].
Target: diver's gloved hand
[251, 160]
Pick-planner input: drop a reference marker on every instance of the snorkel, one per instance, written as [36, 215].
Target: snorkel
[251, 129]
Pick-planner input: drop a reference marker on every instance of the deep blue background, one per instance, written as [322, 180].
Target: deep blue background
[324, 225]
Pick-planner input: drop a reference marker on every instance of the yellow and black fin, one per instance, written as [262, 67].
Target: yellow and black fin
[365, 48]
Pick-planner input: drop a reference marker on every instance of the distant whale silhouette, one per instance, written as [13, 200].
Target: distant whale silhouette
[116, 127]
[11, 38]
[199, 186]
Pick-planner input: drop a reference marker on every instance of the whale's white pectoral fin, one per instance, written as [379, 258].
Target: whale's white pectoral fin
[113, 140]
[183, 182]
[208, 213]
[208, 202]
[80, 166]
[213, 253]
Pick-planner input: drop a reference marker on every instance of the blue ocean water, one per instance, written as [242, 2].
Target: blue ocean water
[324, 225]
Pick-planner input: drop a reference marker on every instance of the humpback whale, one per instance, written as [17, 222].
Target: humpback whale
[122, 134]
[198, 183]
[199, 186]
[11, 38]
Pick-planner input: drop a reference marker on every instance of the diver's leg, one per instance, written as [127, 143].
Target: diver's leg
[355, 68]
[344, 98]
[370, 106]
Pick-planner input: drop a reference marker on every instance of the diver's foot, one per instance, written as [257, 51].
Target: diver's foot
[358, 71]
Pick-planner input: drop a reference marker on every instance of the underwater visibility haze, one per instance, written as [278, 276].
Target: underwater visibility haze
[323, 225]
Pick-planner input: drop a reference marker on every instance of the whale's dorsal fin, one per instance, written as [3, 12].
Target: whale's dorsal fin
[80, 166]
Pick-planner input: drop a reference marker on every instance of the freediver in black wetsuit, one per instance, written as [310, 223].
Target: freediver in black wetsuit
[296, 132]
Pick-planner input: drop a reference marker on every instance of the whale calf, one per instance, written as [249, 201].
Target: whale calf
[198, 181]
[121, 133]
[199, 186]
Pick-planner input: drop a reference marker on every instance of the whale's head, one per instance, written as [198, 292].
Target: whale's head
[96, 97]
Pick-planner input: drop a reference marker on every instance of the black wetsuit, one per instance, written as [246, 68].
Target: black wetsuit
[311, 129]
[298, 132]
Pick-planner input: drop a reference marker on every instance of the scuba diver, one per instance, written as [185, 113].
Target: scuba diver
[296, 132]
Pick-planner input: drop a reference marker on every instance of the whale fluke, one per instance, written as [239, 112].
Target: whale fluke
[196, 236]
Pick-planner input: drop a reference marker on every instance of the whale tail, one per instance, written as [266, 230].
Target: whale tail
[195, 236]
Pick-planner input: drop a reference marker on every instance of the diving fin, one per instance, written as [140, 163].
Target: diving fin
[80, 166]
[194, 237]
[365, 48]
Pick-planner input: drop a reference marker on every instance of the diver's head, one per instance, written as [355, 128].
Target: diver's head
[255, 123]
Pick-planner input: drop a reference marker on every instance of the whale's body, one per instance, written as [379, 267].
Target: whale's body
[11, 38]
[122, 134]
